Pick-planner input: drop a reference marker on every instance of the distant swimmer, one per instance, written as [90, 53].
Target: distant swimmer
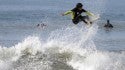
[76, 14]
[38, 25]
[41, 25]
[108, 25]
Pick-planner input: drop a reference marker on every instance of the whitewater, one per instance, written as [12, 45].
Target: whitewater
[61, 45]
[65, 49]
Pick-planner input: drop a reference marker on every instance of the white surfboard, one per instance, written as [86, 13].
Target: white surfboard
[93, 19]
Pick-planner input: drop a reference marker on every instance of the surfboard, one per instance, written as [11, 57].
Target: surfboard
[93, 19]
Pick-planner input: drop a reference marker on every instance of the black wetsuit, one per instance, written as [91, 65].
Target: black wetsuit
[78, 17]
[108, 25]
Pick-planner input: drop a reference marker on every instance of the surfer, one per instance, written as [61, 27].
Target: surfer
[76, 14]
[108, 25]
[38, 25]
[41, 25]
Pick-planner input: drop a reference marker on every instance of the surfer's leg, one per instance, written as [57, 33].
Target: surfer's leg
[85, 19]
[75, 21]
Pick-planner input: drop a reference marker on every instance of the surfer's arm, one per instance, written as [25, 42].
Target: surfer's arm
[68, 12]
[87, 12]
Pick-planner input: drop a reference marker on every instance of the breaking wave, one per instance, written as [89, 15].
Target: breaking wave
[65, 49]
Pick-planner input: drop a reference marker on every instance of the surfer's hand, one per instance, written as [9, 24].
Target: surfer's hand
[63, 14]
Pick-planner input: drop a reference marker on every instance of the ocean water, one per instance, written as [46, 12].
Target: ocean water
[60, 45]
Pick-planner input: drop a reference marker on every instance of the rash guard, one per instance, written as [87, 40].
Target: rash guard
[75, 13]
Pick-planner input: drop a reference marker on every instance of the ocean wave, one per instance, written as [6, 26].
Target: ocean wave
[66, 49]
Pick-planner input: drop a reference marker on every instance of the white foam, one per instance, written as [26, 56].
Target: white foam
[65, 49]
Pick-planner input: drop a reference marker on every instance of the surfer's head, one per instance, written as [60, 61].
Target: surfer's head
[79, 6]
[108, 21]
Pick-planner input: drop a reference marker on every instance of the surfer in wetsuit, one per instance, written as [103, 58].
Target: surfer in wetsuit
[41, 25]
[108, 25]
[76, 14]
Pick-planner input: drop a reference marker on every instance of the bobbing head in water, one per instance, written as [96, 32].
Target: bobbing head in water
[108, 25]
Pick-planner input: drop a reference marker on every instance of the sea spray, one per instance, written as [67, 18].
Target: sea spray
[61, 52]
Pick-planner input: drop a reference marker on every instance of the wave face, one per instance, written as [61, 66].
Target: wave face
[65, 49]
[59, 46]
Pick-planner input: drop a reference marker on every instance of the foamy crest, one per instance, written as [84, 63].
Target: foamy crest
[65, 49]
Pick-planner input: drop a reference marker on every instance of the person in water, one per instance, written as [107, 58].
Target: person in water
[108, 25]
[41, 25]
[76, 14]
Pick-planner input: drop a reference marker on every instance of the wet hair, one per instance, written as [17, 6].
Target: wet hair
[79, 5]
